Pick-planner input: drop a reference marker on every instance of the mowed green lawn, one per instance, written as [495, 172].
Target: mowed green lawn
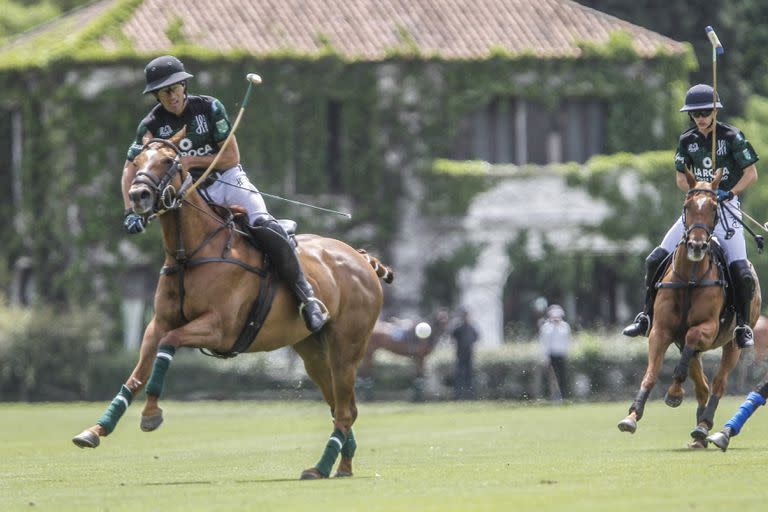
[411, 457]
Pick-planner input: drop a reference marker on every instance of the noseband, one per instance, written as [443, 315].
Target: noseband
[709, 230]
[164, 192]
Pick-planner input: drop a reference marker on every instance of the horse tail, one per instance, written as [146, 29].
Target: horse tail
[383, 271]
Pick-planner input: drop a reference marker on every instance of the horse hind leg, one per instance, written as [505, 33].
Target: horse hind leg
[313, 353]
[346, 342]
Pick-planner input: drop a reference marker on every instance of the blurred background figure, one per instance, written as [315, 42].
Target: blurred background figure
[465, 335]
[555, 338]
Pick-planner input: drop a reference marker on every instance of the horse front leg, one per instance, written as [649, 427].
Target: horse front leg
[675, 393]
[90, 438]
[203, 331]
[704, 409]
[657, 347]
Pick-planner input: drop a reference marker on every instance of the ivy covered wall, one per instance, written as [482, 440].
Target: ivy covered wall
[80, 113]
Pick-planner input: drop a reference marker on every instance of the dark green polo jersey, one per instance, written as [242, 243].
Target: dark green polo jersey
[734, 154]
[207, 125]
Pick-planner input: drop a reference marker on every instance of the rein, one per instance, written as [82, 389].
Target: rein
[166, 195]
[691, 282]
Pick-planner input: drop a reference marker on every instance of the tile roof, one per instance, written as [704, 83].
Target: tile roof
[361, 29]
[369, 29]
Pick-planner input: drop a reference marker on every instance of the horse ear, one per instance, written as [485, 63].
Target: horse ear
[176, 139]
[718, 177]
[690, 178]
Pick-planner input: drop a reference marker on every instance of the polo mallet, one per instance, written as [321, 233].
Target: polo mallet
[717, 49]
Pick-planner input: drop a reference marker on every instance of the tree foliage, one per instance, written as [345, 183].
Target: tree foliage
[741, 25]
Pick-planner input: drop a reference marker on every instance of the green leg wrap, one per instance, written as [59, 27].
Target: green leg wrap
[331, 453]
[162, 362]
[116, 409]
[348, 450]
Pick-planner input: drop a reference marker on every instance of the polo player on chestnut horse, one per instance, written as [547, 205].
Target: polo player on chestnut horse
[216, 292]
[690, 310]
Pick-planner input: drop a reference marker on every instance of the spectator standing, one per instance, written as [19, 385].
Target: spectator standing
[465, 335]
[555, 338]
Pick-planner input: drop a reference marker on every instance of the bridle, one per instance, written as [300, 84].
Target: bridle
[709, 230]
[165, 193]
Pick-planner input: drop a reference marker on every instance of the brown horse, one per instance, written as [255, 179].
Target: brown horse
[212, 277]
[687, 311]
[399, 337]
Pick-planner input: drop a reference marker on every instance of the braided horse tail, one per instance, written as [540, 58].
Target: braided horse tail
[383, 271]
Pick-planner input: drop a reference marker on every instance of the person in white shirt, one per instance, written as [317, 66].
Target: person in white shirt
[555, 338]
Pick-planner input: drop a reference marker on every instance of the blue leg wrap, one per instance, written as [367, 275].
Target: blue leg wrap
[162, 362]
[754, 400]
[116, 409]
[331, 453]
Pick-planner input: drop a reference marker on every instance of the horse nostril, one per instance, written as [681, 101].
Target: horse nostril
[144, 194]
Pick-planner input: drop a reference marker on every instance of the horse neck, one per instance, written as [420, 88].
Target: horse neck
[196, 220]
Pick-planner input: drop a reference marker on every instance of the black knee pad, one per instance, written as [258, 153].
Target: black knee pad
[652, 263]
[745, 280]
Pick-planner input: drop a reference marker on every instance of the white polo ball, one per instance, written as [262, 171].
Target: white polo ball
[423, 330]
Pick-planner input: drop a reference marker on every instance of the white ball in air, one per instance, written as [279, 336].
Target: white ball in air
[423, 330]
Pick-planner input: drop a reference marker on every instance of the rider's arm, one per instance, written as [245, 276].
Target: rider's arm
[681, 181]
[746, 181]
[230, 157]
[129, 173]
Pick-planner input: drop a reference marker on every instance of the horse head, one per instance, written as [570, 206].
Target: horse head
[700, 214]
[158, 175]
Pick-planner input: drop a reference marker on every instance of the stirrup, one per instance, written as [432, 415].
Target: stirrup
[324, 315]
[636, 328]
[744, 336]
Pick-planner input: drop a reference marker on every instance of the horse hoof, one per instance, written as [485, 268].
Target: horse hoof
[673, 401]
[698, 444]
[700, 433]
[628, 425]
[311, 474]
[719, 439]
[342, 474]
[86, 439]
[150, 423]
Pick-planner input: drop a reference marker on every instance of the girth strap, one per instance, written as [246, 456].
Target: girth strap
[255, 321]
[691, 284]
[172, 269]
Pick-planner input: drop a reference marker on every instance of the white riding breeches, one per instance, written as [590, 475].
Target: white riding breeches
[234, 188]
[735, 248]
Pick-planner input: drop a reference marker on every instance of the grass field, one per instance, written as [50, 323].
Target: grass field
[433, 457]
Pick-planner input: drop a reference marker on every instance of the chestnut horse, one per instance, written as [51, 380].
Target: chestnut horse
[399, 337]
[687, 311]
[211, 279]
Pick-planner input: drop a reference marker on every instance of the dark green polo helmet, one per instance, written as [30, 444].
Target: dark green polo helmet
[164, 71]
[699, 97]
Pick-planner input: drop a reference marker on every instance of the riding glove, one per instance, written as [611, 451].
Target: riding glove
[133, 223]
[724, 195]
